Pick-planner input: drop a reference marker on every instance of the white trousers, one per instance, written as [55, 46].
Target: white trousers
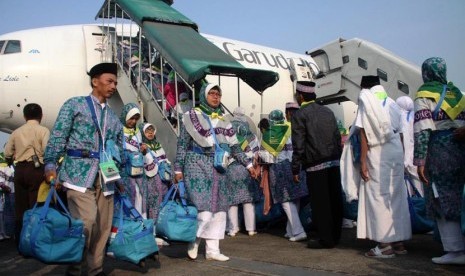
[294, 226]
[451, 235]
[249, 217]
[211, 227]
[138, 203]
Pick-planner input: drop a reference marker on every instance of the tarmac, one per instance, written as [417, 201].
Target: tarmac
[267, 253]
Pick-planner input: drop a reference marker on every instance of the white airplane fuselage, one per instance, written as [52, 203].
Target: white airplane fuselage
[52, 63]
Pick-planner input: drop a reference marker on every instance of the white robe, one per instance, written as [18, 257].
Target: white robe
[411, 170]
[383, 213]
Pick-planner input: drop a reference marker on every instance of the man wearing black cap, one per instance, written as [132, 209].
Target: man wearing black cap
[85, 128]
[291, 108]
[316, 142]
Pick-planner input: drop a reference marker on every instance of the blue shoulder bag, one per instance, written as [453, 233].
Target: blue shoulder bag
[131, 236]
[177, 221]
[50, 235]
[221, 159]
[134, 164]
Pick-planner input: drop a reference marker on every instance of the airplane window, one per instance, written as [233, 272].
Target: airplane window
[345, 59]
[2, 42]
[362, 63]
[402, 86]
[13, 46]
[382, 74]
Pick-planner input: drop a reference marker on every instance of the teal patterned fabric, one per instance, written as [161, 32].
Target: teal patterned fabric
[434, 69]
[205, 187]
[74, 129]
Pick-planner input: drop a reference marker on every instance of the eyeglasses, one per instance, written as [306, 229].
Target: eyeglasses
[213, 93]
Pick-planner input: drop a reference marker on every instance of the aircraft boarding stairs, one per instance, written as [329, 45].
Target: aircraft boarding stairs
[145, 86]
[161, 54]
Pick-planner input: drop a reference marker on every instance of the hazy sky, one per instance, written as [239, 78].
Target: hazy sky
[412, 29]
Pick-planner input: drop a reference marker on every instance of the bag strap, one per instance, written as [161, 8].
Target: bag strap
[46, 205]
[36, 228]
[128, 208]
[438, 106]
[169, 195]
[212, 130]
[410, 183]
[182, 193]
[154, 157]
[94, 118]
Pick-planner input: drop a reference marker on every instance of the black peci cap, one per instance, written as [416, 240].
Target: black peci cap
[102, 68]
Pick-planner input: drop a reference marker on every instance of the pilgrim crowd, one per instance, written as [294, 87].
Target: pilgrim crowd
[294, 156]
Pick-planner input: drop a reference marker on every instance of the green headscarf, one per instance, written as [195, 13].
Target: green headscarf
[274, 138]
[152, 144]
[207, 109]
[434, 75]
[243, 132]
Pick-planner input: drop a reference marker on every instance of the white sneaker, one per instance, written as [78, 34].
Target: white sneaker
[454, 259]
[347, 223]
[193, 249]
[232, 233]
[252, 233]
[302, 236]
[217, 257]
[161, 242]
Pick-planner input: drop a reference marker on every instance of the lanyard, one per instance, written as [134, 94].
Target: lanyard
[97, 123]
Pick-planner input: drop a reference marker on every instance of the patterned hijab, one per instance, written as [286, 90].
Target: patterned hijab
[434, 69]
[242, 129]
[434, 75]
[207, 109]
[129, 110]
[152, 144]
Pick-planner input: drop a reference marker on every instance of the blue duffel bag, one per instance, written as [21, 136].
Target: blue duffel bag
[50, 235]
[421, 223]
[177, 221]
[131, 236]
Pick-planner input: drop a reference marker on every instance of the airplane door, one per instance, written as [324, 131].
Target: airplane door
[97, 45]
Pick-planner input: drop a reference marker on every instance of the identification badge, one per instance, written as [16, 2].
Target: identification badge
[135, 171]
[109, 171]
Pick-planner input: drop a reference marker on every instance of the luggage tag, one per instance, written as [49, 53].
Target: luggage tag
[108, 169]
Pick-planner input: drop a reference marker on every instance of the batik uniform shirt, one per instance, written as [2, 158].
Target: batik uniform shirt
[75, 129]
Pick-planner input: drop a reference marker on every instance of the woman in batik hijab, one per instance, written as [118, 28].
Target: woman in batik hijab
[133, 149]
[276, 150]
[242, 188]
[205, 186]
[157, 185]
[439, 112]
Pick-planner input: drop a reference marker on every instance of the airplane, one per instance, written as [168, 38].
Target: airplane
[48, 65]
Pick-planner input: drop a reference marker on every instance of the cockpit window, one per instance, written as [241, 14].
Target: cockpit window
[12, 46]
[2, 42]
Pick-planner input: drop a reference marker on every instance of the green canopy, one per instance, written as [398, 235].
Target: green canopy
[189, 53]
[144, 10]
